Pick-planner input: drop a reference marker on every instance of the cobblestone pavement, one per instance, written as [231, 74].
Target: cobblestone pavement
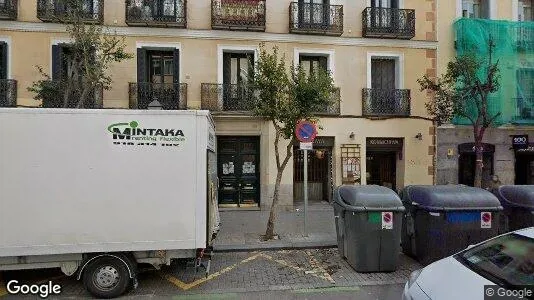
[239, 272]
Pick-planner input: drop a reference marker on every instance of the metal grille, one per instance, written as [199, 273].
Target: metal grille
[317, 167]
[238, 14]
[379, 102]
[350, 164]
[9, 9]
[8, 93]
[388, 22]
[315, 18]
[61, 10]
[227, 97]
[167, 96]
[172, 13]
[55, 96]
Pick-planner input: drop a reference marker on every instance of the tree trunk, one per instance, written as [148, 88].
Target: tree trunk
[269, 233]
[479, 162]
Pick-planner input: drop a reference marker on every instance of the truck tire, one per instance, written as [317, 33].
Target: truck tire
[106, 277]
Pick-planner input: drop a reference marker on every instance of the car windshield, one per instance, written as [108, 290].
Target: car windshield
[508, 259]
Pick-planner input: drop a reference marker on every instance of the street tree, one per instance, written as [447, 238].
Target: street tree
[285, 99]
[464, 91]
[85, 64]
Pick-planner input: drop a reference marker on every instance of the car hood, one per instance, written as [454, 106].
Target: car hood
[449, 279]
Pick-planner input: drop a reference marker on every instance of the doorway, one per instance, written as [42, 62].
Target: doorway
[320, 171]
[467, 164]
[524, 168]
[238, 169]
[382, 169]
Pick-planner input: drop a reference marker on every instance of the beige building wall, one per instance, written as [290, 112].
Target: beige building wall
[350, 54]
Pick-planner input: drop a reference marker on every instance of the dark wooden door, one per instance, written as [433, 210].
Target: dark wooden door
[238, 171]
[382, 168]
[467, 164]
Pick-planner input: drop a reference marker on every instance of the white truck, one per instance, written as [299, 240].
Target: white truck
[97, 192]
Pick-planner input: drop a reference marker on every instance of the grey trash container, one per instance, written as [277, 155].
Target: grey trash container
[368, 226]
[518, 204]
[441, 220]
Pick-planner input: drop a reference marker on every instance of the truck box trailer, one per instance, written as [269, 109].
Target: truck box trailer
[97, 192]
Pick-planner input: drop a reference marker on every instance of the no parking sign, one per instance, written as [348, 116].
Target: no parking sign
[485, 219]
[387, 220]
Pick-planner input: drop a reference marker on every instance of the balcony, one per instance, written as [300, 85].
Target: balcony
[239, 98]
[238, 15]
[524, 110]
[385, 103]
[54, 96]
[390, 23]
[61, 11]
[157, 13]
[8, 93]
[316, 18]
[8, 9]
[166, 96]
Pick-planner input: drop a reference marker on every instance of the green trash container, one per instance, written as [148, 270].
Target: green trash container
[368, 225]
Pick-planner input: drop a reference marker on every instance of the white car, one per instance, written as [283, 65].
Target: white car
[506, 262]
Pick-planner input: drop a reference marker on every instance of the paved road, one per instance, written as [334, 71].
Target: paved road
[283, 274]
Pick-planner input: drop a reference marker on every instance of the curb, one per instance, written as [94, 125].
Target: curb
[285, 246]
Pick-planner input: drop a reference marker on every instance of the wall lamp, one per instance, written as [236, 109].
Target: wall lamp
[419, 136]
[351, 135]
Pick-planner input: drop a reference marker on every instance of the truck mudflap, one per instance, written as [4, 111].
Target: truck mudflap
[203, 259]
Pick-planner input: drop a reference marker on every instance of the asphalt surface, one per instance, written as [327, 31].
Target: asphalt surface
[281, 274]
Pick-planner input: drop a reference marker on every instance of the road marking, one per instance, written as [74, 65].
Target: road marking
[318, 266]
[186, 286]
[327, 289]
[312, 273]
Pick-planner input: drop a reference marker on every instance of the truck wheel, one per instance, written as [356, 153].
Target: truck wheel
[106, 277]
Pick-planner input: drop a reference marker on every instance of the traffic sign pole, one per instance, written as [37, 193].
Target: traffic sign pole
[306, 193]
[306, 132]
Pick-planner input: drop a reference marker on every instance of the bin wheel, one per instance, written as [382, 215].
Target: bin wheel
[106, 277]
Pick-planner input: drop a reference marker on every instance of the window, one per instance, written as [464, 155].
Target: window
[161, 67]
[525, 93]
[507, 260]
[3, 61]
[475, 9]
[62, 61]
[313, 12]
[311, 64]
[525, 10]
[383, 74]
[236, 67]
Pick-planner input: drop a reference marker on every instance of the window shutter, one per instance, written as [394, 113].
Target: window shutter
[176, 66]
[227, 68]
[4, 61]
[394, 4]
[141, 65]
[57, 57]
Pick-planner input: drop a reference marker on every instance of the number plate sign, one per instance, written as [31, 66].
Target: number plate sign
[520, 141]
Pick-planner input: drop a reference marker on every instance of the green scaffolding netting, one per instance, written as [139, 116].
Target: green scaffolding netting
[514, 49]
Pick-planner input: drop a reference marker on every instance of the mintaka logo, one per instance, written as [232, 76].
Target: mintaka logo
[132, 134]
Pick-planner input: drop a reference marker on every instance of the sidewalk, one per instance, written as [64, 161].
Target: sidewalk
[241, 230]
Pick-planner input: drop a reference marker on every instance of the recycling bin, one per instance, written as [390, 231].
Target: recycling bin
[518, 204]
[368, 225]
[441, 220]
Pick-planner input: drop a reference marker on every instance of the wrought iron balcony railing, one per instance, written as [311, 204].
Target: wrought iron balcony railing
[316, 18]
[524, 109]
[8, 9]
[226, 97]
[379, 102]
[240, 98]
[168, 13]
[388, 23]
[62, 11]
[166, 96]
[55, 96]
[238, 14]
[8, 93]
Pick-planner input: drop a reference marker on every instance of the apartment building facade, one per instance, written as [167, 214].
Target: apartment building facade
[196, 55]
[467, 26]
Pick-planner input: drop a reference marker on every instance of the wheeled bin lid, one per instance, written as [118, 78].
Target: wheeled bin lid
[367, 198]
[517, 195]
[450, 197]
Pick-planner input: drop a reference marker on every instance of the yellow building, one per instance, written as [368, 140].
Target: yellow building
[469, 25]
[194, 54]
